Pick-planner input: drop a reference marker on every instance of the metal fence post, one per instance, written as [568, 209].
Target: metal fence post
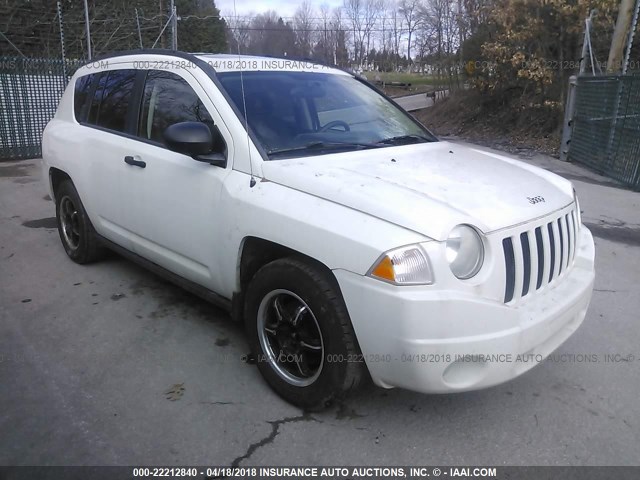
[87, 29]
[139, 32]
[175, 28]
[64, 58]
[586, 42]
[569, 111]
[614, 121]
[632, 32]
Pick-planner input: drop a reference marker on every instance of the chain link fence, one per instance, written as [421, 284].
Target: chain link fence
[30, 89]
[43, 43]
[606, 126]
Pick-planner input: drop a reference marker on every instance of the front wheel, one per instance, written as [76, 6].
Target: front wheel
[301, 334]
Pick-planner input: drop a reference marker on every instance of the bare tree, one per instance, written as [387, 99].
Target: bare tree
[270, 35]
[340, 37]
[397, 25]
[409, 9]
[425, 43]
[372, 11]
[325, 37]
[354, 10]
[384, 24]
[238, 32]
[303, 26]
[440, 22]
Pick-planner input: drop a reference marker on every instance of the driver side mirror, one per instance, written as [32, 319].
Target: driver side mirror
[196, 140]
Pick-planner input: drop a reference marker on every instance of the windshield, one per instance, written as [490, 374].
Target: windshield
[311, 113]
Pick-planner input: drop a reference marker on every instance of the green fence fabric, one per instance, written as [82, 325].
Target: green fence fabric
[606, 126]
[30, 89]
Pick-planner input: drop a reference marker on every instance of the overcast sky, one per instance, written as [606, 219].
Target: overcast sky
[286, 8]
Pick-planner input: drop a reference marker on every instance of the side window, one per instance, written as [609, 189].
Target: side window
[94, 107]
[111, 99]
[81, 96]
[169, 99]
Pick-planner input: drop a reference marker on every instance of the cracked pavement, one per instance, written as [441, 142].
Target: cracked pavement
[109, 365]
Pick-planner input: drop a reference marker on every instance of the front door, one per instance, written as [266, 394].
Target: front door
[175, 220]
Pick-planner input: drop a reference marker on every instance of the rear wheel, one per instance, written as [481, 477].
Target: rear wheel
[301, 334]
[77, 234]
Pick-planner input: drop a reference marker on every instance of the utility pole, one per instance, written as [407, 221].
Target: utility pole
[620, 35]
[174, 27]
[87, 29]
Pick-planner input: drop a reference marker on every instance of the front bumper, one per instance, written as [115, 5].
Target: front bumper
[438, 341]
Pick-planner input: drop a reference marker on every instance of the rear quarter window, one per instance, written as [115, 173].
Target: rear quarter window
[81, 96]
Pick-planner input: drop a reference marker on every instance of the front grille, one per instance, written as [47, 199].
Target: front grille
[536, 257]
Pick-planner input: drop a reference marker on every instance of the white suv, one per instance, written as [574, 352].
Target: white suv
[349, 239]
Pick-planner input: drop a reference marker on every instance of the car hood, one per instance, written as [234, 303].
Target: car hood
[430, 187]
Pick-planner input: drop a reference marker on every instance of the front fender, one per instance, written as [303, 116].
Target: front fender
[337, 236]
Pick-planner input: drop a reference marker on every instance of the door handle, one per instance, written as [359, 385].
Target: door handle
[136, 163]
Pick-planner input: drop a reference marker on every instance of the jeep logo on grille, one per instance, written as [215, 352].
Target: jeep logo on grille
[536, 199]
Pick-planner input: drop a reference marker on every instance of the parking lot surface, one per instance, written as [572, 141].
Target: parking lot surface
[414, 102]
[107, 364]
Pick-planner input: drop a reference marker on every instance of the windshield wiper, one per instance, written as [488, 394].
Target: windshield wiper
[405, 140]
[323, 146]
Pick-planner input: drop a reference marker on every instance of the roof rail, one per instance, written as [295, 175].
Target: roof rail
[193, 57]
[144, 51]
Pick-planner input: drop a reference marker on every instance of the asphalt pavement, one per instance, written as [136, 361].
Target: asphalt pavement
[107, 364]
[414, 102]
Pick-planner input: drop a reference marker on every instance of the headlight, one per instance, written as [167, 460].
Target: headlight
[403, 266]
[465, 251]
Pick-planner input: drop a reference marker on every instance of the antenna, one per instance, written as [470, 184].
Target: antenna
[252, 181]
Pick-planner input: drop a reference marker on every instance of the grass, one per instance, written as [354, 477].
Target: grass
[494, 120]
[419, 83]
[402, 91]
[412, 78]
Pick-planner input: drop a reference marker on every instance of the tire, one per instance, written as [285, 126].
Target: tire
[77, 234]
[301, 335]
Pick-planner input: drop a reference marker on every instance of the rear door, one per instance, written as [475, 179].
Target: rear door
[106, 114]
